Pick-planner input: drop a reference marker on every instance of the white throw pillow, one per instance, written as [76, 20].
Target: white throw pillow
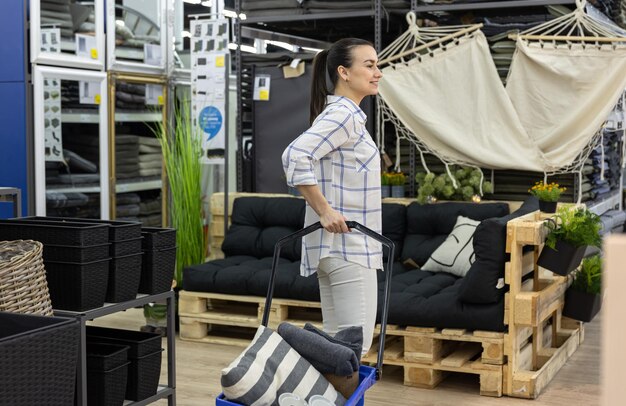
[456, 254]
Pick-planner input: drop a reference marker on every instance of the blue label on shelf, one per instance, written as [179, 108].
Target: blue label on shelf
[210, 120]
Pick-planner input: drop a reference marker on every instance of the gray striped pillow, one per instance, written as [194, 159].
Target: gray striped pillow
[268, 368]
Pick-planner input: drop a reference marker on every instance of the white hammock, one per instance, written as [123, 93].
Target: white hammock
[444, 90]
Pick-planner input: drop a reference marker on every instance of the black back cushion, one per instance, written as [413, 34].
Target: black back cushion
[429, 225]
[480, 284]
[257, 223]
[394, 225]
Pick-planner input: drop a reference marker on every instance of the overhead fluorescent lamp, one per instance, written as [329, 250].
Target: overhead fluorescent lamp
[244, 48]
[281, 44]
[192, 1]
[207, 3]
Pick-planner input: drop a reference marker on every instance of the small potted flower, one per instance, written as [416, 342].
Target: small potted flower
[570, 233]
[583, 299]
[548, 195]
[385, 185]
[397, 181]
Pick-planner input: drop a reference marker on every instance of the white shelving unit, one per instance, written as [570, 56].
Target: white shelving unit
[87, 116]
[136, 186]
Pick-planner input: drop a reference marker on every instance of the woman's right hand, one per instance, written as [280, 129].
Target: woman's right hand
[334, 222]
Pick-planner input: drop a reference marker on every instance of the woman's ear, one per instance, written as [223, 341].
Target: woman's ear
[343, 73]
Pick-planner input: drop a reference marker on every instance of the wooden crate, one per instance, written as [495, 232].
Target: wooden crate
[429, 354]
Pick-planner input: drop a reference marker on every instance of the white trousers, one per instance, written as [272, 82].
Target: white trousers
[349, 296]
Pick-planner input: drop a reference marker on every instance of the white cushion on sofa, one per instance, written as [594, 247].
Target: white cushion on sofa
[268, 368]
[456, 254]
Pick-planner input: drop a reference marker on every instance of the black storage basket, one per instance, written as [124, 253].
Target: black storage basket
[158, 238]
[54, 232]
[107, 388]
[140, 343]
[104, 357]
[38, 359]
[143, 376]
[75, 286]
[73, 253]
[118, 230]
[124, 276]
[125, 247]
[157, 271]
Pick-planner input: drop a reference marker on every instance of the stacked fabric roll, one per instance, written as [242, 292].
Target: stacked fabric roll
[139, 207]
[130, 96]
[57, 13]
[603, 171]
[137, 156]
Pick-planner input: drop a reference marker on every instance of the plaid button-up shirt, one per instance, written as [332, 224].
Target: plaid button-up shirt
[338, 154]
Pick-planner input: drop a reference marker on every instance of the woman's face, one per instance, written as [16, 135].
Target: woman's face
[363, 76]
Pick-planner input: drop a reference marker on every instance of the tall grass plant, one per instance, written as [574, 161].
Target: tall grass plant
[182, 150]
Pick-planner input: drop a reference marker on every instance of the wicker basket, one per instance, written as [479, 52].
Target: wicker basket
[23, 285]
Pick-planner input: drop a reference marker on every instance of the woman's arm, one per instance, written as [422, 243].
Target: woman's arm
[331, 220]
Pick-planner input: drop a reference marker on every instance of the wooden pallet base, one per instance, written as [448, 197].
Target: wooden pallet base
[212, 317]
[428, 355]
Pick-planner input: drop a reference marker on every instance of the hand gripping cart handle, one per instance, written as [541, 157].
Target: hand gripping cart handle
[370, 233]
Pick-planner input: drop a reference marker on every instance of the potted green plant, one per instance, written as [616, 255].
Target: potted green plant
[385, 185]
[470, 183]
[583, 299]
[397, 181]
[548, 195]
[570, 233]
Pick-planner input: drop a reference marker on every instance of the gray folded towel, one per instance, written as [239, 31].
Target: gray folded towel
[351, 337]
[325, 356]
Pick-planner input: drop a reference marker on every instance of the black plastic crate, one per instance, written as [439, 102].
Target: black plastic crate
[75, 286]
[103, 357]
[54, 232]
[157, 271]
[124, 276]
[107, 388]
[118, 230]
[158, 238]
[126, 247]
[140, 343]
[73, 253]
[143, 376]
[38, 359]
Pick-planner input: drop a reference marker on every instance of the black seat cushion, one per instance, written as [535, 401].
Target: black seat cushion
[257, 223]
[429, 225]
[480, 285]
[427, 299]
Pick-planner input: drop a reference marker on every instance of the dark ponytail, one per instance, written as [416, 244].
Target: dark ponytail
[327, 62]
[319, 91]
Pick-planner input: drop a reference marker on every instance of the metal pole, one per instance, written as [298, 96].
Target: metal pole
[171, 356]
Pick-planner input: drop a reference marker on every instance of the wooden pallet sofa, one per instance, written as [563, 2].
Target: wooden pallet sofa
[502, 321]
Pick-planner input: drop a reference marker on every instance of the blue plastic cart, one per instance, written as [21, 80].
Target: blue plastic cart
[367, 375]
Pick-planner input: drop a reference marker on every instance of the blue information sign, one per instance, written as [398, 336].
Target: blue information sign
[210, 120]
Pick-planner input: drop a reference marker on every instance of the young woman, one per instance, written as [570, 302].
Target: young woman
[335, 165]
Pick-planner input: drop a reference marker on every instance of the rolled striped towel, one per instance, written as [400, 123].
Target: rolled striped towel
[268, 368]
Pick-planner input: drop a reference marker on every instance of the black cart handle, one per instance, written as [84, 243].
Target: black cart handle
[368, 232]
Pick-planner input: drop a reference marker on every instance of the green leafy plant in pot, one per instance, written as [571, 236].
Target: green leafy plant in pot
[583, 299]
[570, 233]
